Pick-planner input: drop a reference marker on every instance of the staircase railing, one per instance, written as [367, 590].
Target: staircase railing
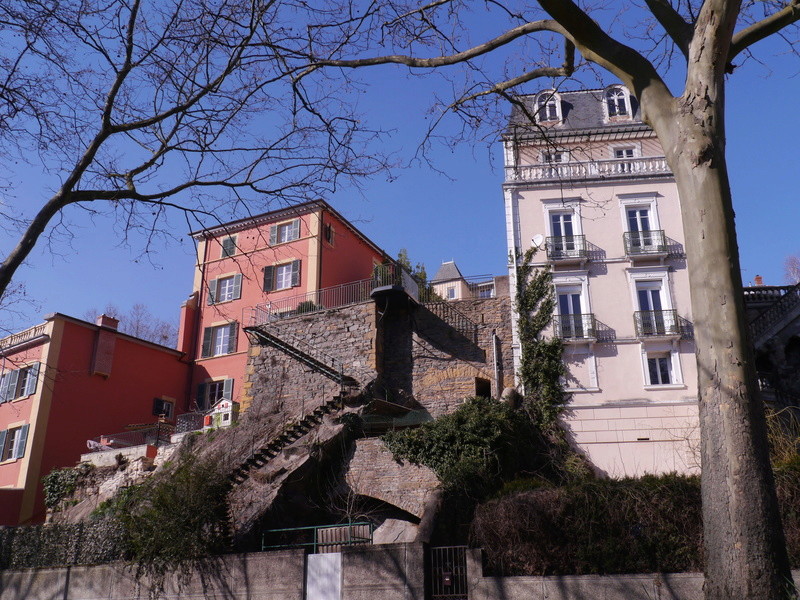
[775, 313]
[301, 350]
[458, 321]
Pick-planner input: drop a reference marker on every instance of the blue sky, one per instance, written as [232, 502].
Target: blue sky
[456, 214]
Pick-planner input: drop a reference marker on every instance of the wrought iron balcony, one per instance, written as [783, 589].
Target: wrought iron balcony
[656, 323]
[575, 327]
[645, 243]
[598, 169]
[565, 248]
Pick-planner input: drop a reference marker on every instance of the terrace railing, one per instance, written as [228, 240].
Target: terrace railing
[779, 311]
[327, 538]
[157, 435]
[23, 336]
[600, 169]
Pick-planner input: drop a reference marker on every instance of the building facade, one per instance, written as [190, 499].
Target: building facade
[64, 382]
[277, 263]
[586, 183]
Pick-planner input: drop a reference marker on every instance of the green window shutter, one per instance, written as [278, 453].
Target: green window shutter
[269, 278]
[19, 444]
[212, 292]
[206, 352]
[3, 435]
[273, 235]
[4, 380]
[228, 246]
[11, 392]
[295, 229]
[31, 381]
[227, 389]
[201, 396]
[237, 286]
[234, 329]
[296, 273]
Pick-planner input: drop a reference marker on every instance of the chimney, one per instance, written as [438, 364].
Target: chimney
[759, 280]
[106, 321]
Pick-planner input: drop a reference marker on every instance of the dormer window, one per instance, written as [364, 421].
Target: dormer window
[548, 107]
[617, 102]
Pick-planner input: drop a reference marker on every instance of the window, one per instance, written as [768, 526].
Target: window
[225, 289]
[555, 157]
[281, 277]
[211, 392]
[486, 291]
[659, 369]
[563, 232]
[570, 313]
[451, 293]
[228, 246]
[624, 152]
[19, 383]
[548, 107]
[12, 442]
[284, 232]
[617, 102]
[163, 407]
[219, 340]
[328, 232]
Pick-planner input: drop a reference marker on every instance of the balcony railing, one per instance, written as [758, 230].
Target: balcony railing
[566, 247]
[645, 243]
[600, 169]
[575, 327]
[655, 323]
[23, 336]
[157, 435]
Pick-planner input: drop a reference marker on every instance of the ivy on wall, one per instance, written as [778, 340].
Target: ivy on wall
[541, 366]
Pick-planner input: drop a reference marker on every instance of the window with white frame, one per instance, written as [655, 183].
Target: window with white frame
[163, 407]
[282, 277]
[659, 368]
[548, 107]
[625, 152]
[553, 156]
[570, 311]
[225, 289]
[617, 102]
[219, 339]
[19, 383]
[284, 232]
[211, 392]
[642, 232]
[12, 442]
[451, 293]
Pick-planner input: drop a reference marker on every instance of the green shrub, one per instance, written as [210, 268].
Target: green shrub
[59, 484]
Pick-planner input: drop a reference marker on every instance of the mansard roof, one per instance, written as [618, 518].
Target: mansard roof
[582, 113]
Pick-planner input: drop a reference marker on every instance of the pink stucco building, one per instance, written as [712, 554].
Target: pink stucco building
[281, 259]
[66, 381]
[588, 184]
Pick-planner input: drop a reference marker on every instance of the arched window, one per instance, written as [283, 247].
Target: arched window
[548, 107]
[617, 102]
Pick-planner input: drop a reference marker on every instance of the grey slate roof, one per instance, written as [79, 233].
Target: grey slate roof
[448, 271]
[582, 111]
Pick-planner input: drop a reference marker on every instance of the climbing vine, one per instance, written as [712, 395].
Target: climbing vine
[541, 365]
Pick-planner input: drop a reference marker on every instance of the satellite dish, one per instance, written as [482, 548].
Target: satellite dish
[537, 240]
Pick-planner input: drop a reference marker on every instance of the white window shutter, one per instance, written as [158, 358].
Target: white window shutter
[227, 389]
[31, 381]
[19, 444]
[295, 229]
[273, 235]
[296, 273]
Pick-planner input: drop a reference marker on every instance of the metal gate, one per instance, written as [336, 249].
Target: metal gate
[449, 573]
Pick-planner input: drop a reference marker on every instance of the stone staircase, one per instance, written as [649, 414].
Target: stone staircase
[290, 434]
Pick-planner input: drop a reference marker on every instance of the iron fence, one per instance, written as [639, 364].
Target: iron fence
[576, 326]
[157, 435]
[449, 573]
[318, 539]
[645, 242]
[191, 421]
[565, 247]
[650, 323]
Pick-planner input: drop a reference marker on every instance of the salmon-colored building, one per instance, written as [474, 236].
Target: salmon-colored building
[64, 382]
[588, 184]
[282, 261]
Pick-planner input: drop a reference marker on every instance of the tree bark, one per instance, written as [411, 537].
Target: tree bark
[745, 551]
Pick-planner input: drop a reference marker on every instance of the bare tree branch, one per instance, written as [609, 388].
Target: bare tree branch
[764, 28]
[673, 23]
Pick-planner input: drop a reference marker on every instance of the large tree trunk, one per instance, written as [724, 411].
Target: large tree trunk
[745, 551]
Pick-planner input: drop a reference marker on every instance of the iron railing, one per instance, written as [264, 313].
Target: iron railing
[638, 243]
[576, 326]
[565, 247]
[775, 313]
[457, 320]
[654, 323]
[157, 435]
[191, 421]
[318, 539]
[765, 293]
[600, 169]
[393, 275]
